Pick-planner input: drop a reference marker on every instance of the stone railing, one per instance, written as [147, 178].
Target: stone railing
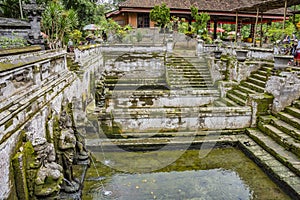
[19, 75]
[261, 54]
[10, 55]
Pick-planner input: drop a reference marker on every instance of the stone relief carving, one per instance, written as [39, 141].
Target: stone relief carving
[49, 174]
[37, 174]
[71, 149]
[285, 89]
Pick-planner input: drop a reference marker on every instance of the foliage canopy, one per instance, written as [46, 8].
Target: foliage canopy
[160, 15]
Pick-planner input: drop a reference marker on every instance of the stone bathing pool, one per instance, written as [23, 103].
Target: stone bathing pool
[150, 100]
[226, 173]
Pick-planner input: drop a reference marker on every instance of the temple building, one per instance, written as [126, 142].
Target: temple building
[136, 12]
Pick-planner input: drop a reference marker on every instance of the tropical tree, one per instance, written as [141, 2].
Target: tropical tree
[276, 31]
[76, 36]
[56, 22]
[160, 15]
[200, 21]
[10, 9]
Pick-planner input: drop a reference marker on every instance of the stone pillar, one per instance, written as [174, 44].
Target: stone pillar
[215, 28]
[37, 77]
[260, 104]
[170, 44]
[285, 88]
[200, 46]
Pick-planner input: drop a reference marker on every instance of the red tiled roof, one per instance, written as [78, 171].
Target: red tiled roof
[210, 5]
[207, 5]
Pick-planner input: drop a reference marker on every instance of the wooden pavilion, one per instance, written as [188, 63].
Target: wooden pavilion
[239, 12]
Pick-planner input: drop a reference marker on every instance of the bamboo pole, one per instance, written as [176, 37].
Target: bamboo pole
[236, 27]
[256, 21]
[261, 31]
[285, 10]
[21, 10]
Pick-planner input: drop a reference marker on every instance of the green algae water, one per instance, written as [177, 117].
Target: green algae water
[226, 173]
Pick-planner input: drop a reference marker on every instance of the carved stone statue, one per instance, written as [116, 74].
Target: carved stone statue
[49, 175]
[67, 148]
[34, 13]
[100, 93]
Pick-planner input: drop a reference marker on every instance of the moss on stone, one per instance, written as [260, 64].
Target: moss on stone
[8, 123]
[19, 163]
[22, 162]
[13, 51]
[263, 105]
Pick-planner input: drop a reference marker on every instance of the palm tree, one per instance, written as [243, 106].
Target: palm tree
[56, 22]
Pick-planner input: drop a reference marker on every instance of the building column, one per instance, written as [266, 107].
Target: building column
[215, 28]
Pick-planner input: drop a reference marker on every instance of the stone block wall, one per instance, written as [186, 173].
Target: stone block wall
[13, 29]
[33, 90]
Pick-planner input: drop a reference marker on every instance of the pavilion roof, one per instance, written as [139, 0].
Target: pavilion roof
[212, 5]
[266, 5]
[225, 5]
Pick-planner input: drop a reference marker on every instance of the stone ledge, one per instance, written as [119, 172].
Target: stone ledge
[14, 51]
[8, 66]
[282, 175]
[10, 123]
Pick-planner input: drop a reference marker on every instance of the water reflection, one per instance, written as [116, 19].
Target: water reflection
[203, 184]
[225, 173]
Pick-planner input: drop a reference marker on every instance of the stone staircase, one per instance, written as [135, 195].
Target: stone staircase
[238, 96]
[280, 135]
[190, 72]
[143, 104]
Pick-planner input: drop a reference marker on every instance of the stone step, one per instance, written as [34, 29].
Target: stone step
[245, 89]
[283, 139]
[219, 103]
[293, 111]
[259, 77]
[190, 68]
[187, 75]
[289, 119]
[182, 80]
[267, 67]
[163, 112]
[236, 99]
[209, 87]
[286, 157]
[296, 103]
[136, 86]
[285, 127]
[225, 102]
[239, 93]
[229, 102]
[256, 81]
[133, 81]
[280, 173]
[191, 71]
[187, 82]
[187, 67]
[252, 86]
[262, 72]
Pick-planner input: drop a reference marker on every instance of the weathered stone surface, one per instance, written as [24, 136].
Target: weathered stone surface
[285, 88]
[38, 101]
